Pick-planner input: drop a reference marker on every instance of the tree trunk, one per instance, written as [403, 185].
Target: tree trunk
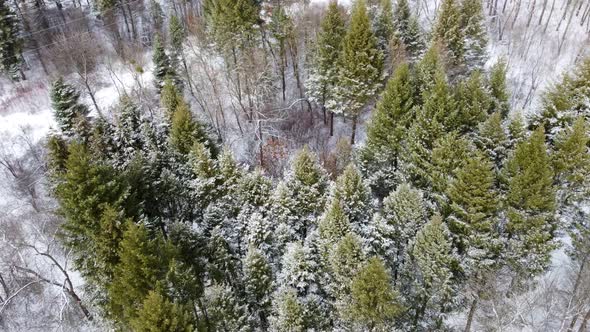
[331, 124]
[584, 326]
[353, 135]
[471, 314]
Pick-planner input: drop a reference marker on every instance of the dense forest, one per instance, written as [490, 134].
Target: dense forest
[275, 165]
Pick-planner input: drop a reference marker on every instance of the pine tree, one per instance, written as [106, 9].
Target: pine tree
[428, 277]
[474, 30]
[493, 139]
[170, 99]
[143, 262]
[447, 31]
[130, 139]
[449, 153]
[300, 199]
[334, 224]
[289, 313]
[85, 191]
[177, 36]
[323, 76]
[231, 22]
[225, 311]
[158, 314]
[531, 202]
[404, 210]
[68, 110]
[355, 198]
[162, 67]
[475, 204]
[258, 281]
[385, 132]
[439, 102]
[408, 29]
[426, 70]
[499, 90]
[183, 130]
[473, 103]
[10, 43]
[361, 63]
[571, 160]
[384, 26]
[373, 302]
[345, 259]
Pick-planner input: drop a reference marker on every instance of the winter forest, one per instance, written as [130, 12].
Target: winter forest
[295, 165]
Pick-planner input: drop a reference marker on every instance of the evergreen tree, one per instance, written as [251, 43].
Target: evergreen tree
[447, 31]
[170, 99]
[449, 153]
[143, 262]
[289, 313]
[184, 130]
[345, 259]
[499, 90]
[177, 36]
[384, 26]
[158, 314]
[68, 110]
[162, 67]
[373, 302]
[439, 102]
[354, 197]
[404, 210]
[474, 30]
[408, 29]
[258, 281]
[361, 63]
[232, 22]
[130, 139]
[300, 199]
[225, 311]
[492, 138]
[473, 103]
[475, 205]
[530, 204]
[571, 160]
[426, 70]
[334, 224]
[85, 191]
[10, 43]
[385, 132]
[428, 277]
[323, 77]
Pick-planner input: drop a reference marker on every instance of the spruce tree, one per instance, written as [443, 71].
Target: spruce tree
[68, 110]
[170, 98]
[408, 29]
[225, 310]
[373, 303]
[426, 70]
[499, 90]
[10, 43]
[427, 283]
[384, 26]
[530, 202]
[439, 102]
[355, 198]
[473, 103]
[361, 63]
[393, 115]
[323, 78]
[162, 67]
[232, 23]
[258, 281]
[404, 210]
[447, 31]
[184, 129]
[475, 203]
[492, 138]
[474, 30]
[289, 313]
[159, 314]
[334, 224]
[344, 261]
[143, 262]
[571, 159]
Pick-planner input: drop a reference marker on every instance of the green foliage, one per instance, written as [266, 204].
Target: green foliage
[344, 261]
[571, 160]
[474, 30]
[499, 90]
[384, 26]
[428, 276]
[473, 102]
[289, 312]
[258, 283]
[158, 314]
[143, 262]
[408, 29]
[177, 34]
[447, 31]
[324, 74]
[232, 22]
[335, 224]
[162, 66]
[385, 132]
[531, 202]
[68, 111]
[361, 63]
[373, 301]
